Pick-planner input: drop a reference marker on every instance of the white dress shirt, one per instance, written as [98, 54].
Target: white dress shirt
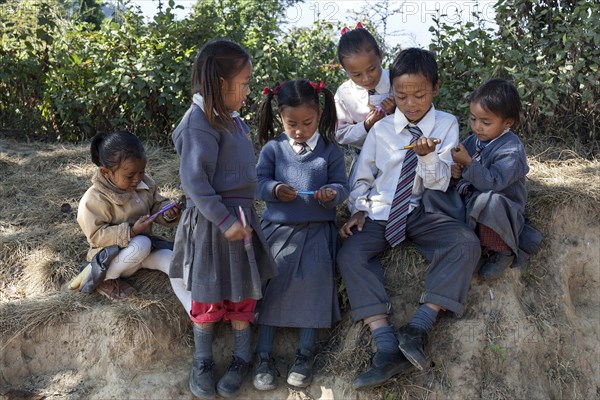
[380, 162]
[352, 106]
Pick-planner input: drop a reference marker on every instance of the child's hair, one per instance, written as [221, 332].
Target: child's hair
[415, 61]
[355, 41]
[499, 97]
[109, 150]
[293, 94]
[217, 59]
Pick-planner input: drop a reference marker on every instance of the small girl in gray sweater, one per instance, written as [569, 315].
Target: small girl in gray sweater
[302, 178]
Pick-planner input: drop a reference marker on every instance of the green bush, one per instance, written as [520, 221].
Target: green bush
[67, 78]
[123, 76]
[551, 51]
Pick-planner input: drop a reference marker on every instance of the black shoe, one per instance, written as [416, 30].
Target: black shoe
[383, 367]
[496, 264]
[411, 342]
[202, 383]
[231, 382]
[482, 260]
[301, 373]
[265, 374]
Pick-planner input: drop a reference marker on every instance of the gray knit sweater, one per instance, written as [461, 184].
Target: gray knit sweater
[279, 163]
[214, 165]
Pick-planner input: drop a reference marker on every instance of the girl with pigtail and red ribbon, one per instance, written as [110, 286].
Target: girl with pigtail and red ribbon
[302, 178]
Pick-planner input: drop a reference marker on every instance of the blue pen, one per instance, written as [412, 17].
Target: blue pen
[306, 192]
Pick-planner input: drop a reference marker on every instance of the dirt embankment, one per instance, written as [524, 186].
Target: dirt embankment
[533, 334]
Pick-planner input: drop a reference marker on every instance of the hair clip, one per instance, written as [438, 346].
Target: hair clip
[345, 29]
[318, 86]
[273, 91]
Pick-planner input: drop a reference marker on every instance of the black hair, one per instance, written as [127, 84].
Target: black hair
[109, 150]
[415, 61]
[355, 41]
[293, 94]
[499, 97]
[218, 58]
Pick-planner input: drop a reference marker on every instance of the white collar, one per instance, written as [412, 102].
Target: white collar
[198, 100]
[426, 123]
[311, 143]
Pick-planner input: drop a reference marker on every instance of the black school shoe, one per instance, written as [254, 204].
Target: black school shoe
[412, 342]
[265, 373]
[301, 373]
[230, 383]
[383, 367]
[202, 383]
[495, 265]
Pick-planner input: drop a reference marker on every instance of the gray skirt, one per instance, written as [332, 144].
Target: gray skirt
[304, 292]
[215, 268]
[494, 210]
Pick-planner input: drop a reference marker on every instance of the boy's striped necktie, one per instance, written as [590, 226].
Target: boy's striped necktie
[395, 229]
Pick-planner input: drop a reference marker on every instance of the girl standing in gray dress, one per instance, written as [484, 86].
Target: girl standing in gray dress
[218, 175]
[302, 178]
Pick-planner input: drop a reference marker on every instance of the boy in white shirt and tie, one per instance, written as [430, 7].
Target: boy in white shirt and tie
[402, 155]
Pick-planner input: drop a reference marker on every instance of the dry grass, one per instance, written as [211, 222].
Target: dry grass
[41, 248]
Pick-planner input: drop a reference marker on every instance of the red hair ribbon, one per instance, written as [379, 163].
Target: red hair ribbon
[268, 90]
[318, 86]
[345, 29]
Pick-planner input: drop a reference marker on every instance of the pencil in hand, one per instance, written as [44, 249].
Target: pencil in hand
[247, 239]
[410, 146]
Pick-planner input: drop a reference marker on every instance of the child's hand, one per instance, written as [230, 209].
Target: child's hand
[461, 156]
[285, 193]
[142, 225]
[375, 115]
[456, 170]
[237, 232]
[388, 105]
[172, 213]
[425, 145]
[325, 194]
[357, 220]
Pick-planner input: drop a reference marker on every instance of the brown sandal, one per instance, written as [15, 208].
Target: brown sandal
[116, 289]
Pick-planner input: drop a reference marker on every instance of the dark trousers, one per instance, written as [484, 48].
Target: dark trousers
[449, 245]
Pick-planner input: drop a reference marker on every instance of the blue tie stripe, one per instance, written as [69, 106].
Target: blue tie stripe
[395, 230]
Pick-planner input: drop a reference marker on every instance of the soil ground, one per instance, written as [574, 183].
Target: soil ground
[533, 334]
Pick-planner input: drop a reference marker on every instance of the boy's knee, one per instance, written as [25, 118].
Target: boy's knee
[345, 257]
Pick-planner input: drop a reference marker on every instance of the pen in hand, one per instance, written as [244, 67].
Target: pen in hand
[163, 209]
[247, 239]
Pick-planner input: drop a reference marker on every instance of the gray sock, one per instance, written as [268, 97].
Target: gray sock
[424, 318]
[306, 339]
[264, 343]
[203, 340]
[241, 347]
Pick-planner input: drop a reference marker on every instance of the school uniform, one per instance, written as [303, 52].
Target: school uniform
[495, 193]
[450, 245]
[218, 174]
[301, 233]
[352, 106]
